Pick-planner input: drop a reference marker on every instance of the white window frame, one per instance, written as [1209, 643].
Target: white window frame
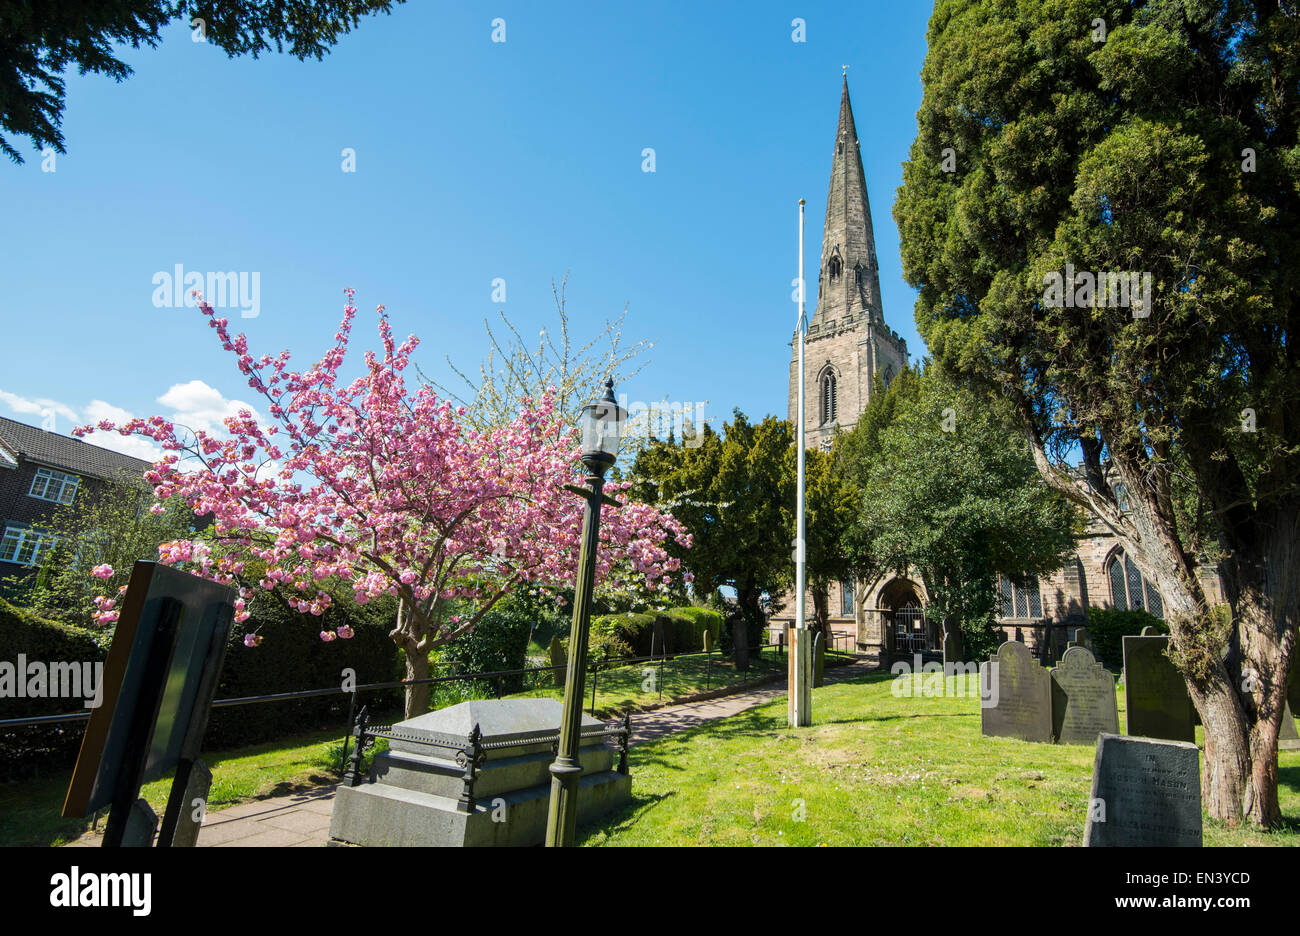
[64, 486]
[16, 538]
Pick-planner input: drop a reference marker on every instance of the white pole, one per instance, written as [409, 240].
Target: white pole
[801, 659]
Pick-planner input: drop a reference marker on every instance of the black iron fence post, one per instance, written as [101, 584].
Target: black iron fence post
[352, 709]
[595, 668]
[352, 776]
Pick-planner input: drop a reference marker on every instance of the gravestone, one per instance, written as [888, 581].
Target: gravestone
[1083, 699]
[1287, 738]
[1156, 703]
[418, 792]
[1015, 695]
[1144, 793]
[952, 646]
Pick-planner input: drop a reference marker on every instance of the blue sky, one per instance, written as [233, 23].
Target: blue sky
[474, 161]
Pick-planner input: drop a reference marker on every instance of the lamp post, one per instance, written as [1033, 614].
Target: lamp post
[601, 424]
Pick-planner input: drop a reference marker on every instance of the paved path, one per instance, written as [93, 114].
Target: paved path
[303, 819]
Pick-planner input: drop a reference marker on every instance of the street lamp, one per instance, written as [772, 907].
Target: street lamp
[601, 425]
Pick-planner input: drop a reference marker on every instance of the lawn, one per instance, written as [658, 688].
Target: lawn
[873, 769]
[639, 686]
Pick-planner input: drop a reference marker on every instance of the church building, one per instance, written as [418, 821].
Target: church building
[847, 345]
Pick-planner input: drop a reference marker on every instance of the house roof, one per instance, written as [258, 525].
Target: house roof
[63, 452]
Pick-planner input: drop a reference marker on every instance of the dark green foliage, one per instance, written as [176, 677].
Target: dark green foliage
[498, 642]
[293, 657]
[1107, 628]
[44, 642]
[38, 41]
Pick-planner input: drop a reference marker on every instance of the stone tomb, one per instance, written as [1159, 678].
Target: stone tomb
[1083, 699]
[1156, 703]
[1144, 793]
[416, 790]
[1015, 695]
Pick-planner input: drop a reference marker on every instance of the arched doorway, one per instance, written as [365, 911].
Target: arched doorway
[908, 629]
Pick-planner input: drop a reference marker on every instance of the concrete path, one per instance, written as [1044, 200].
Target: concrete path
[303, 819]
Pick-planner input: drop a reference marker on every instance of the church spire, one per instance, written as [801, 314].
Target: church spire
[848, 284]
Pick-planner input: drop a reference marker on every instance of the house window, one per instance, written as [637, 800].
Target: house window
[1129, 588]
[25, 545]
[1020, 598]
[54, 486]
[828, 398]
[846, 599]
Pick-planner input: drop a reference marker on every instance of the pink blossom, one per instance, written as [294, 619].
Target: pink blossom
[345, 631]
[104, 571]
[252, 640]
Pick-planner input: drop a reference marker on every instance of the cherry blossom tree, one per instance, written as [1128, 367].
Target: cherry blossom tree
[387, 489]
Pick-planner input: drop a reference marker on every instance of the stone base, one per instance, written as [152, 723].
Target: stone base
[378, 814]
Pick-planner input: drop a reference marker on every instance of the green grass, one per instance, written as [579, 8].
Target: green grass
[873, 769]
[638, 686]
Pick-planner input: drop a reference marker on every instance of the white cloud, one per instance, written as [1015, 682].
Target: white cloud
[199, 406]
[38, 407]
[194, 405]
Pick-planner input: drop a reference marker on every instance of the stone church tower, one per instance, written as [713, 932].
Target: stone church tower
[848, 342]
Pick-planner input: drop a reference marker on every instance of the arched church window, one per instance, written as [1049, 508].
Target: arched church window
[889, 375]
[1130, 590]
[833, 267]
[846, 598]
[828, 398]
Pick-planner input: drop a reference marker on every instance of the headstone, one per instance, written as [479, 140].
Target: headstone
[1288, 739]
[1156, 703]
[417, 794]
[740, 643]
[708, 640]
[1144, 793]
[1016, 695]
[1083, 699]
[1151, 631]
[952, 646]
[819, 660]
[559, 661]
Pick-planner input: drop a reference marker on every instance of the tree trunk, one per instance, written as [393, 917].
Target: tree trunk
[417, 696]
[822, 610]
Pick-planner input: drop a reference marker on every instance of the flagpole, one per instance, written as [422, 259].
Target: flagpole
[800, 682]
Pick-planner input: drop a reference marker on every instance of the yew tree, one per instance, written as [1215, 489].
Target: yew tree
[1061, 145]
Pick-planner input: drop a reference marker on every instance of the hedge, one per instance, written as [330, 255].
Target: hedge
[41, 641]
[1107, 628]
[633, 634]
[291, 657]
